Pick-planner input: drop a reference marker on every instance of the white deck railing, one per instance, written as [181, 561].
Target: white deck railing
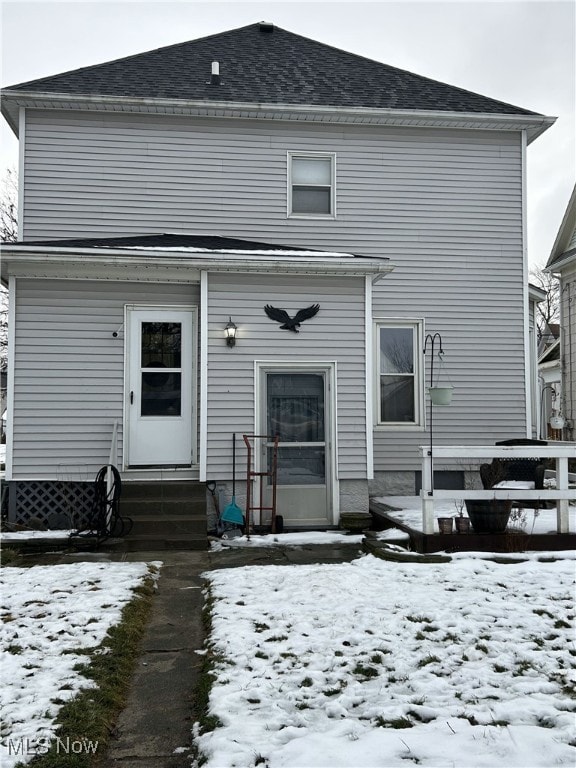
[562, 495]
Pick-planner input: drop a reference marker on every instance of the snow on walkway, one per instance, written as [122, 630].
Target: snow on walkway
[48, 613]
[373, 664]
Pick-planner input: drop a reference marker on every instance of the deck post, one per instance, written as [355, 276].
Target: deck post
[562, 513]
[426, 493]
[427, 514]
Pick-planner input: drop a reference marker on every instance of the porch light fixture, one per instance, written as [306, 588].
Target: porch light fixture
[230, 333]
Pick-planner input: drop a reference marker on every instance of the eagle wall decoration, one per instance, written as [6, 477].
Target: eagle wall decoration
[291, 323]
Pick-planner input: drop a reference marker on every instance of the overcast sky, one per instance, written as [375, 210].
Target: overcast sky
[521, 52]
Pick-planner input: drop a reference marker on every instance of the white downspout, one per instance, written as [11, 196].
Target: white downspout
[369, 374]
[21, 165]
[525, 296]
[203, 421]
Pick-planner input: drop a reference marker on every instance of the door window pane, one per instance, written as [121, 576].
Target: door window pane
[296, 407]
[161, 394]
[161, 345]
[300, 466]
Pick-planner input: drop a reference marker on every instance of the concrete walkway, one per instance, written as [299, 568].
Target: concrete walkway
[154, 730]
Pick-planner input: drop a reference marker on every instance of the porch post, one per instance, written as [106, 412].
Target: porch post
[562, 513]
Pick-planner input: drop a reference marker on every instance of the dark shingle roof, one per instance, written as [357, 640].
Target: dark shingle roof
[167, 241]
[267, 67]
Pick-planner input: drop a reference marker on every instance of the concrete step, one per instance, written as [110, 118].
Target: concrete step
[137, 508]
[158, 489]
[168, 525]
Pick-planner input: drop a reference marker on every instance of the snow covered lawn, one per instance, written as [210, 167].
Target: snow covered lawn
[49, 614]
[372, 664]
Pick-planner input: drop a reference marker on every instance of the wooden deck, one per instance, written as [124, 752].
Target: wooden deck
[509, 541]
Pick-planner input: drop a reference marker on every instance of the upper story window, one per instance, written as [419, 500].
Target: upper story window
[311, 185]
[400, 385]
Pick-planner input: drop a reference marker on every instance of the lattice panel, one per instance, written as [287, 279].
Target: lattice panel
[50, 503]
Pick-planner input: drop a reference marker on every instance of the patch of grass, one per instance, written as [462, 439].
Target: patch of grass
[10, 557]
[397, 722]
[430, 659]
[276, 639]
[482, 647]
[376, 658]
[419, 619]
[450, 637]
[261, 655]
[561, 624]
[307, 682]
[90, 716]
[522, 666]
[365, 671]
[15, 649]
[338, 653]
[542, 612]
[260, 626]
[499, 668]
[253, 701]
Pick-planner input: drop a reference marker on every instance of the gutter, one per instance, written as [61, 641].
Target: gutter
[224, 263]
[489, 121]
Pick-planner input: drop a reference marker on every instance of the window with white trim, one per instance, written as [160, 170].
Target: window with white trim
[311, 185]
[400, 385]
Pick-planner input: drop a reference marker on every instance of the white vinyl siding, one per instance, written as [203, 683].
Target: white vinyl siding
[334, 335]
[444, 205]
[69, 371]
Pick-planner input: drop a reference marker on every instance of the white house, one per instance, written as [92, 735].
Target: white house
[169, 194]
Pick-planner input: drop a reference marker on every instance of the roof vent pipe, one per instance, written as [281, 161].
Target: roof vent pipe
[266, 26]
[215, 76]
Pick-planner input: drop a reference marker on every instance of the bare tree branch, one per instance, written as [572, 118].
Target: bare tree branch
[9, 206]
[8, 233]
[547, 311]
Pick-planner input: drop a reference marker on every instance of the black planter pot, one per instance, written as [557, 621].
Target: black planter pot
[489, 516]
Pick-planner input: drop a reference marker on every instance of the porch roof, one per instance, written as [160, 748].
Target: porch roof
[201, 244]
[177, 256]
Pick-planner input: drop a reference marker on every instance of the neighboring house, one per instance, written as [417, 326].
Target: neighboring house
[168, 194]
[550, 378]
[562, 264]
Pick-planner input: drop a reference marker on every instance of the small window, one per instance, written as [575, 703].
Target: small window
[311, 185]
[400, 385]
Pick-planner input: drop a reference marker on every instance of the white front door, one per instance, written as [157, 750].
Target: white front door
[159, 387]
[297, 406]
